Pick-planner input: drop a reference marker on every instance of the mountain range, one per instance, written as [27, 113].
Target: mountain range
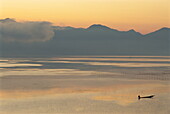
[95, 40]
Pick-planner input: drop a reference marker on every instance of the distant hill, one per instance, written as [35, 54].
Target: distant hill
[95, 40]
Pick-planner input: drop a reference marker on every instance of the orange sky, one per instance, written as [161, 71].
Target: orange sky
[142, 15]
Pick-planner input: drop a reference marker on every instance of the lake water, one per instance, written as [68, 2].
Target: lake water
[85, 84]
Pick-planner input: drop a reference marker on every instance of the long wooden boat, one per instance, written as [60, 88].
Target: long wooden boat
[150, 96]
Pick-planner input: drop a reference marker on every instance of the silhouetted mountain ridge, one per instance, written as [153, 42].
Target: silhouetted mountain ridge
[95, 40]
[6, 20]
[163, 33]
[98, 27]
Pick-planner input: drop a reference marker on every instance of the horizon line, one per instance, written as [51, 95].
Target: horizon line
[112, 28]
[53, 24]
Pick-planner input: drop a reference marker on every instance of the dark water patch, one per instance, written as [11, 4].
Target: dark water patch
[104, 61]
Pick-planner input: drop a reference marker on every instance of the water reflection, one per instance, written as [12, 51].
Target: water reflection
[56, 72]
[122, 94]
[125, 97]
[71, 84]
[114, 59]
[17, 64]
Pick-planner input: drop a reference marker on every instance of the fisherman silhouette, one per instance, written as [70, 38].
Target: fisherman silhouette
[138, 97]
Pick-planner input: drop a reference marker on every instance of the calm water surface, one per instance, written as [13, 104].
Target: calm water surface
[84, 84]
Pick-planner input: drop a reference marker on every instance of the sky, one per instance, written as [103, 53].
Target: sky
[142, 15]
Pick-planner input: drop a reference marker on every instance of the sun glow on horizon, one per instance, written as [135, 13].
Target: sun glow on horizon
[142, 15]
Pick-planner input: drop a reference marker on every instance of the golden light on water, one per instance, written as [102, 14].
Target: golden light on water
[122, 94]
[91, 84]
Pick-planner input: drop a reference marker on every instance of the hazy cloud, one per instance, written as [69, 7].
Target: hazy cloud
[10, 30]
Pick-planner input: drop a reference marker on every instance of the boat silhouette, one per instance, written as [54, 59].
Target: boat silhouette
[150, 96]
